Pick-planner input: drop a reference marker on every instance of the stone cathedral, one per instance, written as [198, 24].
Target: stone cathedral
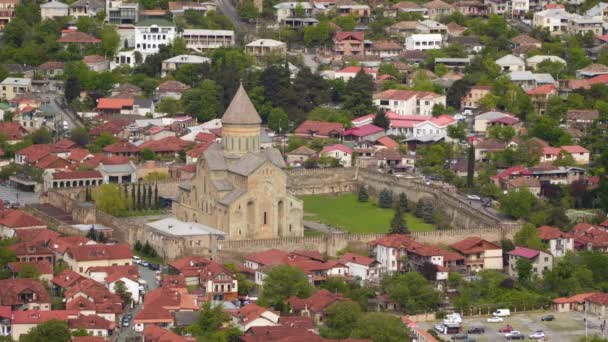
[239, 188]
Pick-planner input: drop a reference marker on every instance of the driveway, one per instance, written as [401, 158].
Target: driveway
[567, 327]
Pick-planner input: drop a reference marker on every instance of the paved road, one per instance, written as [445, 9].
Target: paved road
[8, 193]
[227, 8]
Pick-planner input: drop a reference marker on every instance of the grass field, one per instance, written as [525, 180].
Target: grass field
[346, 213]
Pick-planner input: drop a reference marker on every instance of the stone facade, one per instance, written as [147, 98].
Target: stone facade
[239, 188]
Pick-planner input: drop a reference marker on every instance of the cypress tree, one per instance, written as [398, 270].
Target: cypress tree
[363, 196]
[470, 166]
[133, 196]
[150, 205]
[138, 196]
[402, 205]
[143, 198]
[398, 225]
[156, 199]
[385, 199]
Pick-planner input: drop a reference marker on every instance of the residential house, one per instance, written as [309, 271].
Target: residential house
[122, 13]
[153, 333]
[437, 9]
[585, 25]
[540, 261]
[12, 87]
[118, 170]
[406, 7]
[24, 321]
[253, 315]
[421, 42]
[581, 118]
[30, 252]
[171, 89]
[471, 8]
[178, 8]
[86, 8]
[485, 148]
[94, 325]
[369, 132]
[174, 63]
[315, 305]
[540, 96]
[217, 282]
[110, 276]
[24, 294]
[554, 20]
[599, 11]
[300, 155]
[534, 61]
[519, 8]
[319, 129]
[385, 49]
[122, 149]
[89, 297]
[361, 267]
[525, 40]
[13, 132]
[264, 47]
[559, 242]
[591, 237]
[472, 44]
[343, 154]
[12, 220]
[151, 34]
[572, 303]
[423, 128]
[350, 72]
[51, 69]
[295, 14]
[7, 12]
[597, 304]
[510, 63]
[530, 183]
[580, 154]
[202, 40]
[349, 43]
[80, 258]
[53, 10]
[479, 254]
[528, 80]
[44, 269]
[409, 102]
[472, 97]
[352, 8]
[76, 38]
[96, 63]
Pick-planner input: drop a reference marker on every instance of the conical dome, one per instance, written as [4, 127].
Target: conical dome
[241, 110]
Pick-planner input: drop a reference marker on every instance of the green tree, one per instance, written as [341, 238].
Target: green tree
[54, 330]
[503, 133]
[402, 204]
[347, 22]
[358, 99]
[28, 271]
[278, 120]
[147, 154]
[470, 165]
[110, 40]
[72, 88]
[398, 225]
[362, 195]
[385, 199]
[169, 105]
[282, 282]
[381, 327]
[412, 291]
[80, 136]
[457, 132]
[524, 270]
[248, 10]
[340, 319]
[528, 236]
[203, 102]
[210, 325]
[40, 136]
[110, 199]
[121, 289]
[518, 203]
[381, 120]
[103, 140]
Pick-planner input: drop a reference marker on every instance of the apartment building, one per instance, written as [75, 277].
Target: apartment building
[120, 13]
[409, 102]
[13, 87]
[424, 42]
[151, 34]
[205, 40]
[7, 11]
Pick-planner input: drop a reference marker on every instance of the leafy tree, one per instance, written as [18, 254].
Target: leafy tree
[528, 236]
[385, 199]
[121, 289]
[457, 132]
[110, 199]
[110, 41]
[412, 291]
[362, 196]
[72, 88]
[358, 99]
[347, 23]
[80, 136]
[53, 330]
[147, 154]
[319, 34]
[28, 271]
[381, 327]
[137, 246]
[210, 325]
[425, 210]
[204, 102]
[248, 10]
[103, 140]
[381, 120]
[518, 203]
[503, 133]
[40, 136]
[524, 270]
[169, 105]
[282, 282]
[330, 115]
[340, 319]
[547, 128]
[278, 120]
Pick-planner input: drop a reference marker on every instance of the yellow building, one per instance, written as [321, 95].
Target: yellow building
[239, 188]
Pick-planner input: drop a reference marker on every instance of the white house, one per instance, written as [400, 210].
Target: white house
[287, 13]
[555, 20]
[420, 127]
[580, 154]
[482, 120]
[424, 41]
[599, 11]
[511, 63]
[54, 9]
[349, 72]
[409, 102]
[253, 315]
[342, 153]
[151, 34]
[204, 40]
[362, 267]
[559, 242]
[174, 63]
[534, 61]
[520, 7]
[528, 80]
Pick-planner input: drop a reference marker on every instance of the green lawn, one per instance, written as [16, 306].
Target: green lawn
[345, 212]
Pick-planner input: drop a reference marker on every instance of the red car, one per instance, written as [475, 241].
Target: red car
[506, 329]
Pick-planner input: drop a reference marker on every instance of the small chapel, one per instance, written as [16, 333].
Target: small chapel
[238, 187]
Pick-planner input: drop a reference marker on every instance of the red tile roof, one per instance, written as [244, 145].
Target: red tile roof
[93, 59]
[346, 35]
[205, 137]
[104, 300]
[77, 175]
[472, 245]
[36, 317]
[320, 128]
[51, 65]
[387, 142]
[113, 127]
[598, 298]
[249, 312]
[363, 131]
[395, 241]
[168, 144]
[396, 94]
[10, 290]
[356, 259]
[173, 87]
[268, 257]
[78, 38]
[337, 147]
[43, 267]
[589, 234]
[356, 69]
[13, 218]
[12, 130]
[542, 90]
[315, 303]
[89, 322]
[100, 252]
[551, 233]
[574, 149]
[121, 147]
[198, 149]
[61, 244]
[577, 298]
[153, 333]
[37, 235]
[114, 104]
[28, 248]
[78, 154]
[52, 162]
[66, 279]
[524, 252]
[554, 151]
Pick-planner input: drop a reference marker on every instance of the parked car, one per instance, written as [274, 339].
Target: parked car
[474, 197]
[538, 335]
[502, 313]
[126, 321]
[460, 337]
[154, 267]
[506, 329]
[128, 316]
[515, 335]
[136, 260]
[476, 330]
[144, 263]
[495, 319]
[548, 318]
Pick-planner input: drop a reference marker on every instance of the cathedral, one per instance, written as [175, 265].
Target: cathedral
[239, 188]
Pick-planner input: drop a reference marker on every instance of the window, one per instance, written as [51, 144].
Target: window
[265, 218]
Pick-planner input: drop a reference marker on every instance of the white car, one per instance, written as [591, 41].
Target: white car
[136, 260]
[538, 335]
[495, 319]
[474, 197]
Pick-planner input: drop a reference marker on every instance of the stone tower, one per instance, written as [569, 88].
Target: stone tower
[241, 125]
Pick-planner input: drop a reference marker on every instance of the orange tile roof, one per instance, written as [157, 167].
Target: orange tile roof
[100, 252]
[114, 104]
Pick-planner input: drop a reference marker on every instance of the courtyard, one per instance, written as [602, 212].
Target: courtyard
[347, 213]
